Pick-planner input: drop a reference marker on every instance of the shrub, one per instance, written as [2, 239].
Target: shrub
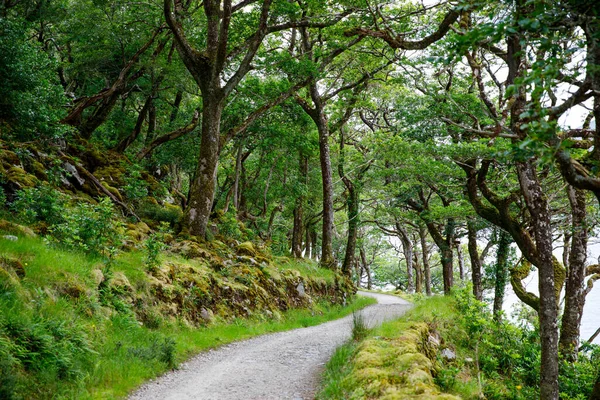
[42, 203]
[90, 228]
[158, 213]
[135, 187]
[154, 245]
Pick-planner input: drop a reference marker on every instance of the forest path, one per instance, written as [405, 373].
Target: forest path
[284, 365]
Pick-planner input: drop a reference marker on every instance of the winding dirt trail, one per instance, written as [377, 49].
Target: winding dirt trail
[284, 365]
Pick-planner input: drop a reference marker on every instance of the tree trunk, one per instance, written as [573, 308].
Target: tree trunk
[538, 207]
[426, 268]
[418, 273]
[126, 142]
[501, 272]
[475, 260]
[461, 262]
[407, 249]
[353, 199]
[308, 251]
[327, 260]
[363, 257]
[236, 180]
[352, 204]
[575, 286]
[202, 190]
[299, 214]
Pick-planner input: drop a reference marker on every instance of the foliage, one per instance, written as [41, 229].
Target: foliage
[32, 99]
[90, 228]
[155, 245]
[42, 203]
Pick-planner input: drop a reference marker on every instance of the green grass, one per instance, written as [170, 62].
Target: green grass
[306, 268]
[338, 368]
[55, 345]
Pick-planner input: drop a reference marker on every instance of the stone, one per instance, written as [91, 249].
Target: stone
[448, 354]
[300, 289]
[207, 315]
[12, 238]
[97, 276]
[72, 171]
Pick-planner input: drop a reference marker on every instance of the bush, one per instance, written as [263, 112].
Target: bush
[42, 203]
[135, 187]
[154, 245]
[90, 228]
[32, 101]
[155, 212]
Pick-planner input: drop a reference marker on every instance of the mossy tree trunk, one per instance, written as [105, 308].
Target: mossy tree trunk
[501, 272]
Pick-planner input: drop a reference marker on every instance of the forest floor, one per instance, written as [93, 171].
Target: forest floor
[284, 365]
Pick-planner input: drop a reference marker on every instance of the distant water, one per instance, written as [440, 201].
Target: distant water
[591, 312]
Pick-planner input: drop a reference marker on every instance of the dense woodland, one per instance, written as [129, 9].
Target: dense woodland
[424, 145]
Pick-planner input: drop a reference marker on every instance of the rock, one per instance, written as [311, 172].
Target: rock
[448, 354]
[190, 249]
[300, 290]
[469, 360]
[120, 281]
[207, 315]
[16, 229]
[14, 265]
[72, 171]
[97, 276]
[12, 238]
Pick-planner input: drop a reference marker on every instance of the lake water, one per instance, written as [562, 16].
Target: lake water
[591, 312]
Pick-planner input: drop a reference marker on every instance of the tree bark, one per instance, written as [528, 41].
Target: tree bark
[461, 262]
[426, 267]
[327, 259]
[538, 207]
[202, 189]
[575, 285]
[297, 231]
[363, 258]
[475, 259]
[407, 249]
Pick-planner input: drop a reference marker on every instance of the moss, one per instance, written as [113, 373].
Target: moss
[247, 249]
[394, 368]
[16, 229]
[13, 264]
[39, 170]
[18, 176]
[114, 191]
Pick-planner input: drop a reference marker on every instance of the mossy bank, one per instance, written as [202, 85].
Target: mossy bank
[77, 326]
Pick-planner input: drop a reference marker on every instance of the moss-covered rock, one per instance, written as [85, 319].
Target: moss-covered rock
[394, 368]
[13, 264]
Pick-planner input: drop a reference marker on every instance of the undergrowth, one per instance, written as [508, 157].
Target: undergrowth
[65, 334]
[493, 360]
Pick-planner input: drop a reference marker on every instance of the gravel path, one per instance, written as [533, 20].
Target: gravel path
[284, 365]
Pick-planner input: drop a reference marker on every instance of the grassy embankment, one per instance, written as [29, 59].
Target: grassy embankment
[73, 326]
[450, 347]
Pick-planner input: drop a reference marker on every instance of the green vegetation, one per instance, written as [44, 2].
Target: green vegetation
[80, 326]
[450, 345]
[391, 142]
